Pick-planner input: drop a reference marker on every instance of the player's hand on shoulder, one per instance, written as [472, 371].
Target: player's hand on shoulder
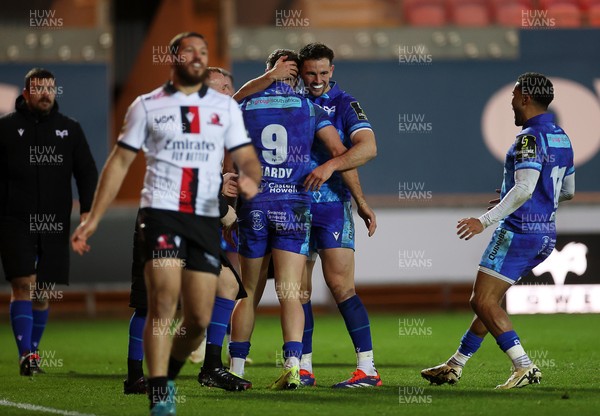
[469, 227]
[230, 185]
[247, 188]
[368, 215]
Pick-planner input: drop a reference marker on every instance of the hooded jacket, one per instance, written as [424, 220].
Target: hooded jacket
[38, 156]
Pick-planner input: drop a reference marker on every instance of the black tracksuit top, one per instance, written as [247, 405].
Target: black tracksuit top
[38, 156]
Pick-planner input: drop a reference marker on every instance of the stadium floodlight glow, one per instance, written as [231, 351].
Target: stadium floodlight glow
[12, 52]
[46, 40]
[235, 40]
[381, 39]
[308, 38]
[495, 50]
[253, 52]
[471, 50]
[293, 39]
[88, 53]
[512, 38]
[454, 38]
[439, 38]
[363, 39]
[345, 50]
[31, 40]
[64, 53]
[105, 40]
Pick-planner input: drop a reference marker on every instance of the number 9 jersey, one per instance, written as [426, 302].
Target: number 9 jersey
[282, 126]
[545, 147]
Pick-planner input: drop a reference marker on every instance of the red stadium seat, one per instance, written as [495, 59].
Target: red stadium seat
[425, 12]
[592, 9]
[566, 13]
[469, 12]
[510, 12]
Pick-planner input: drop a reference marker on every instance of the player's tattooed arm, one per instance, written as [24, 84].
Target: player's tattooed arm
[283, 69]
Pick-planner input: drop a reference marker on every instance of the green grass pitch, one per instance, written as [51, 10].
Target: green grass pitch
[86, 364]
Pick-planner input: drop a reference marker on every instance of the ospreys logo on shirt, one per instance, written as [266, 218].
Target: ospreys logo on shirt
[190, 119]
[360, 114]
[525, 147]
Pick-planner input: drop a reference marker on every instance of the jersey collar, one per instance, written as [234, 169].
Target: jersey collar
[170, 89]
[539, 119]
[333, 92]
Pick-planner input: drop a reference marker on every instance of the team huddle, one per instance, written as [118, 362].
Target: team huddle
[271, 169]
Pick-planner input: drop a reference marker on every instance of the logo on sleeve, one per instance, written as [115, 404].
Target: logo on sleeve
[525, 147]
[21, 131]
[62, 133]
[360, 114]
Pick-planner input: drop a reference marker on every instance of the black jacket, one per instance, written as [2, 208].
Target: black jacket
[38, 157]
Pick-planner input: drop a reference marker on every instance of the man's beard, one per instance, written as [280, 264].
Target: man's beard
[187, 79]
[42, 112]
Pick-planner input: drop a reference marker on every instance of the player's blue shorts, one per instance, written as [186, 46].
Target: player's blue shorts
[510, 255]
[284, 225]
[332, 225]
[225, 246]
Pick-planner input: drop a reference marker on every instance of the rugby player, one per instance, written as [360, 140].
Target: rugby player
[332, 233]
[538, 175]
[183, 127]
[282, 126]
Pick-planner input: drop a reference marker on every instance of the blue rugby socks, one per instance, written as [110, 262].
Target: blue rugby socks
[510, 343]
[306, 360]
[40, 318]
[357, 322]
[21, 319]
[216, 332]
[135, 354]
[469, 344]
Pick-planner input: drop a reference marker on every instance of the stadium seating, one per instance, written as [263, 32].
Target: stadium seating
[594, 14]
[510, 12]
[430, 13]
[469, 12]
[591, 8]
[566, 13]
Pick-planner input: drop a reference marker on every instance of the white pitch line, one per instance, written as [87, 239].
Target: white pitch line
[36, 408]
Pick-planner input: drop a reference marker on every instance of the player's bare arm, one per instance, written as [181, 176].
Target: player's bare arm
[364, 146]
[250, 174]
[109, 184]
[352, 181]
[282, 69]
[342, 158]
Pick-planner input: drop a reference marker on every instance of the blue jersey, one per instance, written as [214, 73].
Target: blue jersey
[282, 126]
[347, 116]
[543, 146]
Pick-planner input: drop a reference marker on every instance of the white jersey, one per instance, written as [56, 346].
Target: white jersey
[183, 137]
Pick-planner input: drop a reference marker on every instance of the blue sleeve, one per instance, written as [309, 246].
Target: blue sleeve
[354, 116]
[321, 117]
